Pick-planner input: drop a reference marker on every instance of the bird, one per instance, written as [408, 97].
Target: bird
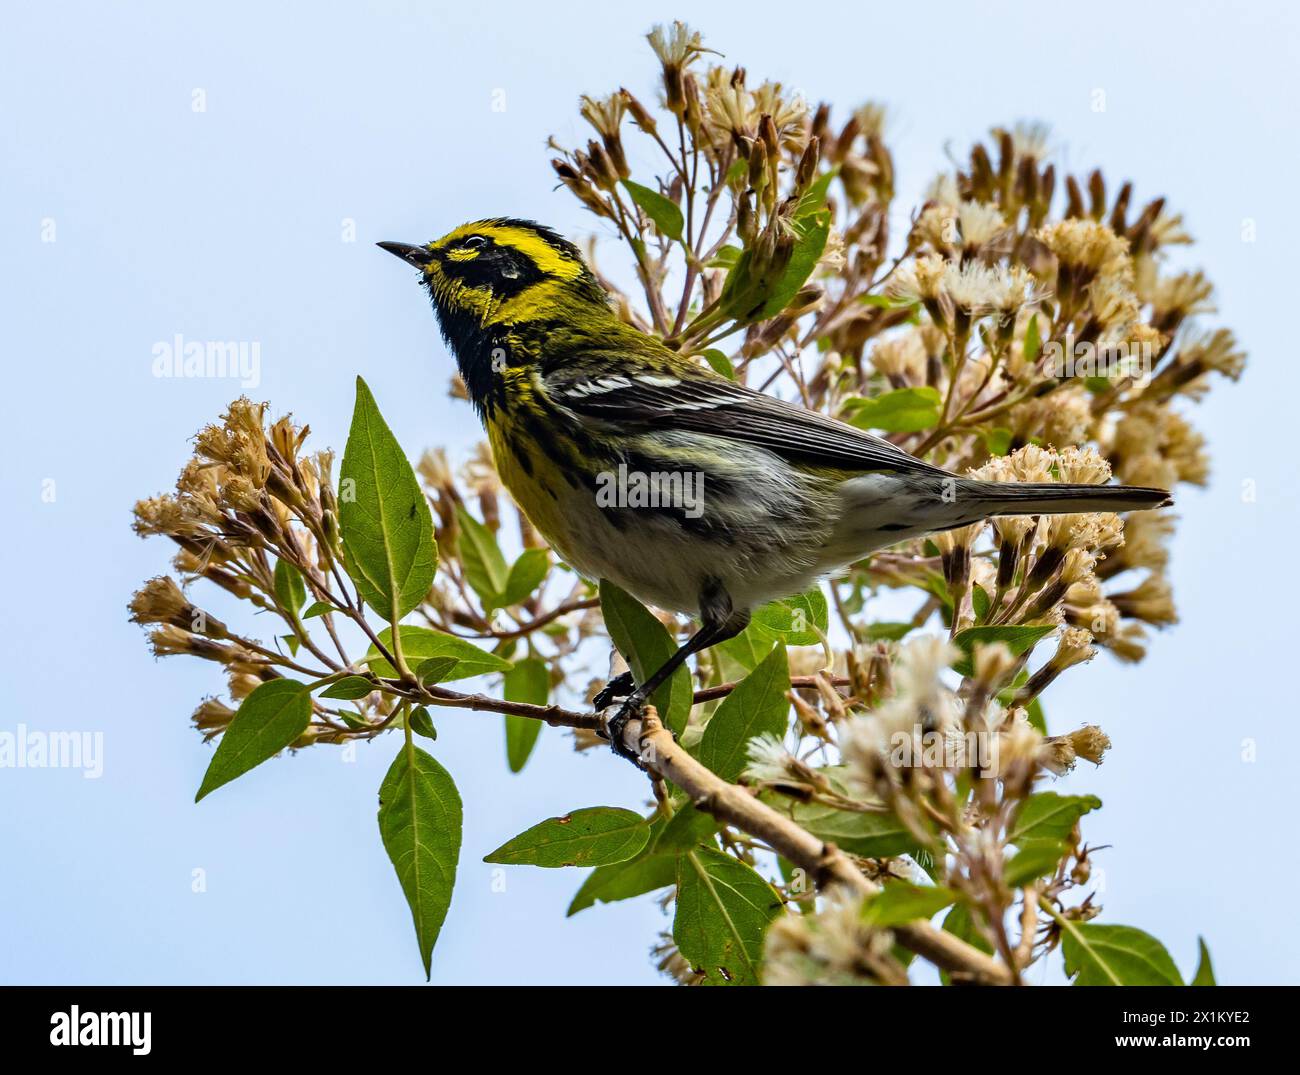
[765, 497]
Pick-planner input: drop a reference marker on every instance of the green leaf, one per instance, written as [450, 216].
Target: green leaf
[646, 645]
[528, 681]
[1115, 955]
[688, 828]
[902, 410]
[749, 647]
[485, 566]
[757, 705]
[749, 295]
[1032, 342]
[1047, 815]
[815, 228]
[796, 620]
[815, 196]
[997, 441]
[526, 574]
[807, 252]
[1019, 639]
[798, 887]
[900, 902]
[419, 644]
[720, 363]
[317, 608]
[272, 717]
[958, 922]
[420, 823]
[289, 588]
[887, 302]
[887, 631]
[979, 599]
[348, 688]
[723, 909]
[436, 670]
[725, 258]
[664, 212]
[1204, 968]
[1034, 714]
[868, 835]
[625, 880]
[595, 836]
[1033, 711]
[387, 530]
[1035, 859]
[421, 723]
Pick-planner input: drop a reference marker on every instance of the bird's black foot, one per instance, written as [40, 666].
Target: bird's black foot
[614, 730]
[619, 687]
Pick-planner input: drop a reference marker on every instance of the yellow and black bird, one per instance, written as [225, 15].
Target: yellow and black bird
[569, 393]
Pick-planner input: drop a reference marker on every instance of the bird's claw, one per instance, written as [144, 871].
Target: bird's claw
[619, 687]
[615, 726]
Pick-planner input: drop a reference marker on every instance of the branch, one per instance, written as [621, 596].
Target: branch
[708, 694]
[552, 714]
[826, 864]
[542, 620]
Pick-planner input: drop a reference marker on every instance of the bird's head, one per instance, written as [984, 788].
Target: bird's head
[489, 275]
[494, 282]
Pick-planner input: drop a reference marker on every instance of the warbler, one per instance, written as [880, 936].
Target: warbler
[574, 399]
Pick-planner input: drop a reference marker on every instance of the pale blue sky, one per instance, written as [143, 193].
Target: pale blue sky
[227, 224]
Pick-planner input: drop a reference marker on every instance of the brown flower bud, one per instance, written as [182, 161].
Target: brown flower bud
[170, 640]
[674, 91]
[771, 138]
[330, 524]
[844, 143]
[1090, 743]
[807, 166]
[640, 116]
[160, 600]
[1073, 198]
[746, 218]
[1097, 193]
[694, 117]
[603, 170]
[212, 717]
[1006, 155]
[821, 122]
[757, 175]
[614, 147]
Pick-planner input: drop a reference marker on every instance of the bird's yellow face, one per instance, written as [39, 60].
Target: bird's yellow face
[501, 288]
[498, 272]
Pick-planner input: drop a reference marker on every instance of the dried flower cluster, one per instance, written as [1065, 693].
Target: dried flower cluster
[256, 515]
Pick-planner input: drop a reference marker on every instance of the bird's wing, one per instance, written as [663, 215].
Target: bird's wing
[698, 402]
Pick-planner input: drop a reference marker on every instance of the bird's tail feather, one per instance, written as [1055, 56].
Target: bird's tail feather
[1057, 498]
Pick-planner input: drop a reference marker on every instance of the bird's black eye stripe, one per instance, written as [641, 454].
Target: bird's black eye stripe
[502, 269]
